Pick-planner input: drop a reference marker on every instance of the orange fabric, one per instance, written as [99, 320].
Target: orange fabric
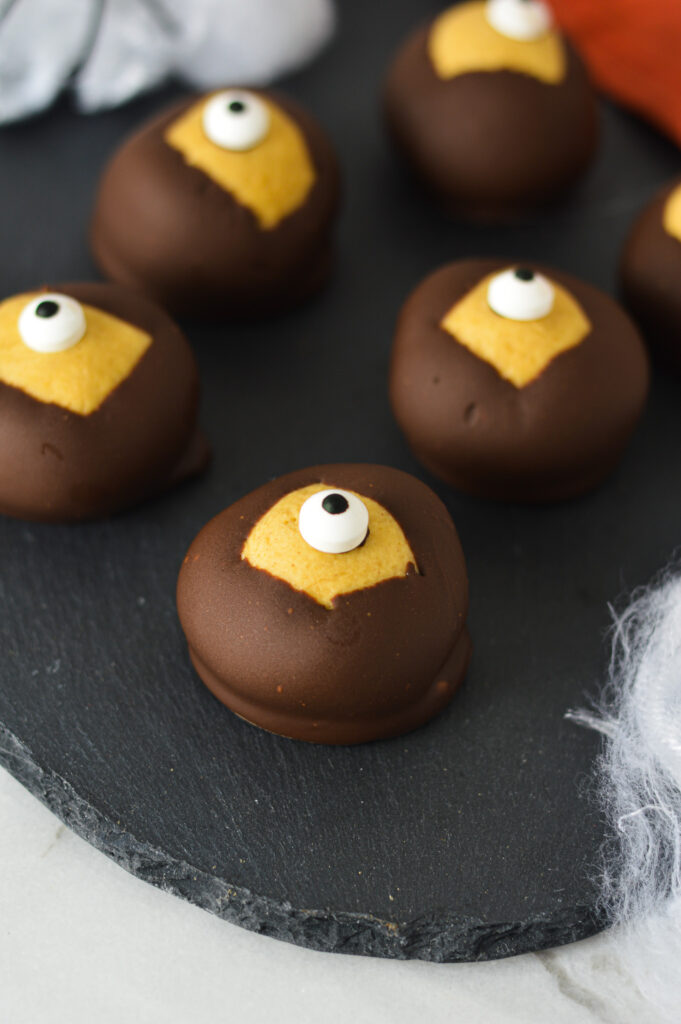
[632, 48]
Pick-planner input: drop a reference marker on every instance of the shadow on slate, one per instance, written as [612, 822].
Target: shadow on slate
[475, 837]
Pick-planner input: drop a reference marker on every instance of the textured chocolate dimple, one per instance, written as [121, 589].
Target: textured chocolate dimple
[166, 228]
[382, 661]
[554, 438]
[491, 144]
[142, 438]
[650, 273]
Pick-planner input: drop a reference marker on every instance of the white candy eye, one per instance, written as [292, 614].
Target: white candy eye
[236, 119]
[520, 294]
[333, 521]
[519, 19]
[52, 323]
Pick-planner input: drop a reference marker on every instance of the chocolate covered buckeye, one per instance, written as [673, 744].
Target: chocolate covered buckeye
[651, 274]
[329, 605]
[516, 382]
[223, 205]
[492, 108]
[99, 403]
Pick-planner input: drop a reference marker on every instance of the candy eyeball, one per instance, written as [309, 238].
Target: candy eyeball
[333, 521]
[524, 20]
[520, 294]
[52, 323]
[236, 119]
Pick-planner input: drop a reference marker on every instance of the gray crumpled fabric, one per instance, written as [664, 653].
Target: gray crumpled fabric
[108, 51]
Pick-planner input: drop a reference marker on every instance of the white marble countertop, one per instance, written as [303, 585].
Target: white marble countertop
[83, 942]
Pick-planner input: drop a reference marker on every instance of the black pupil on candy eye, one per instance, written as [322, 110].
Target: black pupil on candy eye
[46, 308]
[524, 274]
[236, 107]
[334, 504]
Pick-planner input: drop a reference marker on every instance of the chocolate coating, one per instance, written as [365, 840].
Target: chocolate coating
[383, 661]
[554, 438]
[650, 275]
[491, 145]
[56, 465]
[166, 228]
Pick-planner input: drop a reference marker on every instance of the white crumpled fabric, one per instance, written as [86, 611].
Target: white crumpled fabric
[108, 51]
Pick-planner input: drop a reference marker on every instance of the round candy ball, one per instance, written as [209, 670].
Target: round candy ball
[650, 273]
[342, 624]
[99, 405]
[223, 205]
[506, 406]
[492, 108]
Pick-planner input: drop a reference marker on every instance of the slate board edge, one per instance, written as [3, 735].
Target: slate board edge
[443, 938]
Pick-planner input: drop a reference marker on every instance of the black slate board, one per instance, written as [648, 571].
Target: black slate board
[475, 837]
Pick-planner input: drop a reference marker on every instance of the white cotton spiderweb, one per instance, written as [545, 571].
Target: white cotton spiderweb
[640, 788]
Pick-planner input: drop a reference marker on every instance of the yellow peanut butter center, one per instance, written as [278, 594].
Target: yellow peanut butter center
[80, 378]
[276, 546]
[461, 40]
[518, 350]
[272, 179]
[671, 217]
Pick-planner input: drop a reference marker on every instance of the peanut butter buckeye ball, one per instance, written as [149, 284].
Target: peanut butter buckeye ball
[516, 382]
[223, 205]
[329, 605]
[99, 397]
[492, 108]
[651, 274]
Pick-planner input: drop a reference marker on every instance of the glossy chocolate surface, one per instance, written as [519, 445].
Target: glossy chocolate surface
[554, 438]
[492, 145]
[166, 228]
[381, 662]
[650, 275]
[56, 465]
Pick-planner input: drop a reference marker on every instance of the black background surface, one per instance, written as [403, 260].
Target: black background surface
[473, 837]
